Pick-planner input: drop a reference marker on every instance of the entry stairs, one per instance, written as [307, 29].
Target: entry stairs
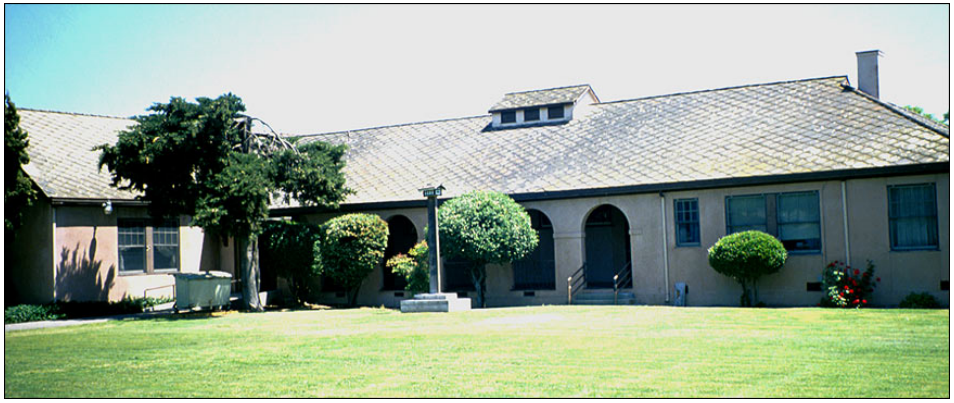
[603, 297]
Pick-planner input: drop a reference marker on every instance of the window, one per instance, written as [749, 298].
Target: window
[147, 249]
[912, 217]
[555, 112]
[799, 221]
[794, 218]
[537, 270]
[508, 117]
[743, 213]
[531, 115]
[687, 222]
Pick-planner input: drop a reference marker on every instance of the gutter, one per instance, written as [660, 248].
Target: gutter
[842, 174]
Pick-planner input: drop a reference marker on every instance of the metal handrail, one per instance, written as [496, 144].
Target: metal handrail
[620, 278]
[146, 291]
[575, 283]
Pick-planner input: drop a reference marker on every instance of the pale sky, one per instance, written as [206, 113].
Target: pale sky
[319, 68]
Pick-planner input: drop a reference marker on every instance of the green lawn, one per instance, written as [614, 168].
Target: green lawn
[539, 351]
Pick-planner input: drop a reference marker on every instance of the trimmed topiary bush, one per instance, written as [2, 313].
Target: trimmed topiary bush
[921, 300]
[351, 246]
[413, 267]
[746, 256]
[292, 250]
[485, 227]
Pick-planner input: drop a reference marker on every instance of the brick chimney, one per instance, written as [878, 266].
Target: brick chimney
[868, 71]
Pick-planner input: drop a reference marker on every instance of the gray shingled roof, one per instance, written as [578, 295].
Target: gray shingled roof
[62, 160]
[552, 96]
[791, 127]
[770, 129]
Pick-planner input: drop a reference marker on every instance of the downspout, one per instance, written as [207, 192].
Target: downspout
[53, 249]
[844, 216]
[665, 242]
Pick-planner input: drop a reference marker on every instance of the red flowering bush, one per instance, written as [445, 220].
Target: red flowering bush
[846, 287]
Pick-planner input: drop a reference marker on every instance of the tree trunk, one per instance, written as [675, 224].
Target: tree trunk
[251, 274]
[744, 301]
[478, 275]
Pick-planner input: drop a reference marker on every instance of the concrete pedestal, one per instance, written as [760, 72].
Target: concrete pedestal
[435, 303]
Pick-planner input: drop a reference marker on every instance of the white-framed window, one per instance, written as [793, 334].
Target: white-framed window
[147, 249]
[507, 117]
[912, 216]
[555, 112]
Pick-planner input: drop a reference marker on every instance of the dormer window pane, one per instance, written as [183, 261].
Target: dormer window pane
[531, 115]
[555, 112]
[508, 117]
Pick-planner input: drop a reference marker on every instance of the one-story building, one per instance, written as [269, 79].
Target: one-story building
[641, 186]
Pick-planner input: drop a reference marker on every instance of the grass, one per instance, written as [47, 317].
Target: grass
[548, 351]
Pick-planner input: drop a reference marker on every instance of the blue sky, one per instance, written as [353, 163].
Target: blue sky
[318, 68]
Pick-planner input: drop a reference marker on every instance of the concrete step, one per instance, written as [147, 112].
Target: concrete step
[603, 297]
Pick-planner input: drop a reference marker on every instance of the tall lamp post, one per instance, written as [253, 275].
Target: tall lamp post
[434, 301]
[433, 240]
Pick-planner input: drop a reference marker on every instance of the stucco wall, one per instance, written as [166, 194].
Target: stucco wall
[901, 272]
[28, 260]
[86, 256]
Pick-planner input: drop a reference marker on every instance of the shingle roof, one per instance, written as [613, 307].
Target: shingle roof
[781, 128]
[62, 160]
[552, 96]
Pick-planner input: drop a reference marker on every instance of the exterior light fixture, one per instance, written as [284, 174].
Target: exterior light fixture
[108, 207]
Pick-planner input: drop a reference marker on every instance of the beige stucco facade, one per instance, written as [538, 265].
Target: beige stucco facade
[70, 253]
[657, 263]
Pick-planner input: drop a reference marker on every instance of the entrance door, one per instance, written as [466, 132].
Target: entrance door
[607, 246]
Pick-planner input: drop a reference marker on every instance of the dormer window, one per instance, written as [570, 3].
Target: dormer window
[531, 115]
[508, 117]
[552, 106]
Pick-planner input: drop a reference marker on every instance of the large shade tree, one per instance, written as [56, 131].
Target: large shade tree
[18, 191]
[485, 227]
[203, 160]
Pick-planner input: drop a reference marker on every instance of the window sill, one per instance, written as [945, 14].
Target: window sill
[689, 245]
[924, 249]
[139, 273]
[804, 252]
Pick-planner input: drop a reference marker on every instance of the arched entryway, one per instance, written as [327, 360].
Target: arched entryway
[537, 271]
[607, 245]
[401, 238]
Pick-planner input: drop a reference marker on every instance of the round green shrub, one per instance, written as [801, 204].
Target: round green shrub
[351, 246]
[921, 300]
[746, 256]
[485, 227]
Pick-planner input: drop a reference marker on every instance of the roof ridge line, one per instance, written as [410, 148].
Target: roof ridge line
[72, 113]
[385, 126]
[549, 89]
[901, 111]
[724, 89]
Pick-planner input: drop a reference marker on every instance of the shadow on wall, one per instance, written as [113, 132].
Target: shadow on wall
[78, 278]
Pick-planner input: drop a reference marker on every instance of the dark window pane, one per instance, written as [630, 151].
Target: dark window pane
[132, 246]
[799, 221]
[912, 216]
[165, 242]
[687, 222]
[744, 213]
[555, 112]
[508, 116]
[531, 115]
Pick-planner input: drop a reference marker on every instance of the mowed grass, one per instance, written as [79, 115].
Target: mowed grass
[520, 352]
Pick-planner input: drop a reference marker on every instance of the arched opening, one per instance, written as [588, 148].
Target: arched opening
[401, 238]
[607, 245]
[537, 271]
